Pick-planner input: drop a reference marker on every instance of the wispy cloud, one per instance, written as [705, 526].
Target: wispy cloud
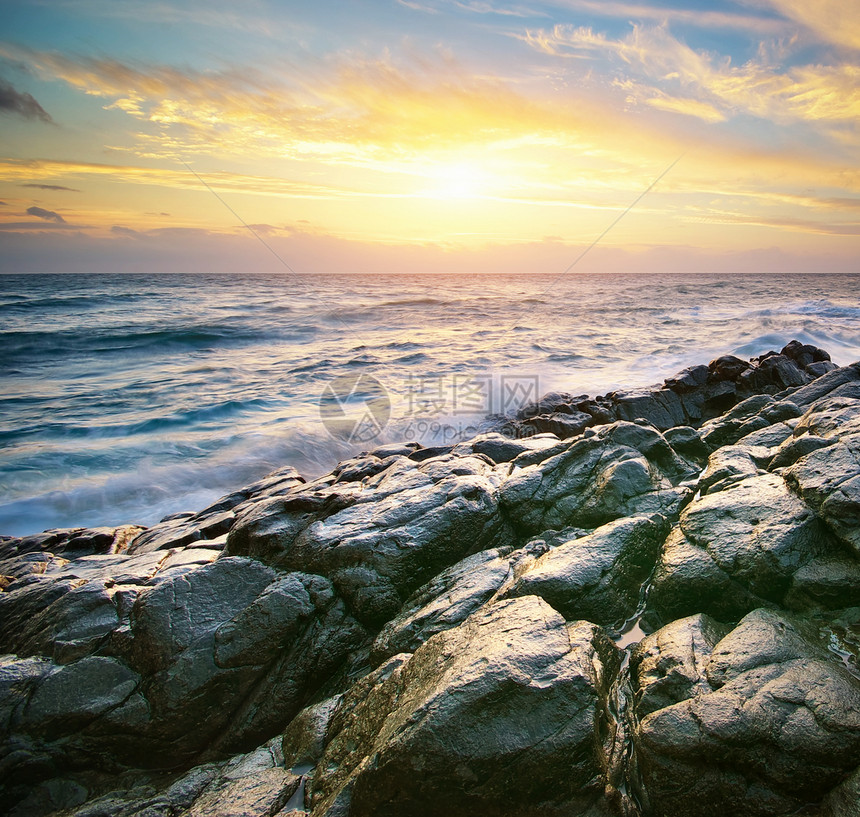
[832, 21]
[699, 18]
[46, 215]
[221, 14]
[53, 187]
[664, 72]
[20, 103]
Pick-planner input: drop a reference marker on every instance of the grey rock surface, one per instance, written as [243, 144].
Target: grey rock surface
[429, 631]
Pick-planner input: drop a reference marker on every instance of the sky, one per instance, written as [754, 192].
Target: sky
[430, 135]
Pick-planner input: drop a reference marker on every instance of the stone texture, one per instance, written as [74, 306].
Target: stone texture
[513, 693]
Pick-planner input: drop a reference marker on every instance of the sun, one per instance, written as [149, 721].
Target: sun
[455, 180]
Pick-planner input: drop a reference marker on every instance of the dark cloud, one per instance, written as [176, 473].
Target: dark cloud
[23, 104]
[30, 226]
[47, 215]
[126, 231]
[52, 187]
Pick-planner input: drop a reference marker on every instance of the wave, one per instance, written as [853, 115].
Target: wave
[418, 302]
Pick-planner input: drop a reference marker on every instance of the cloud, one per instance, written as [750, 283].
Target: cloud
[792, 224]
[30, 226]
[252, 18]
[833, 21]
[55, 187]
[23, 104]
[126, 231]
[663, 72]
[46, 215]
[699, 18]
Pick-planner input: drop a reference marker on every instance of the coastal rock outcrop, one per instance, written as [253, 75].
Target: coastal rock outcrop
[653, 616]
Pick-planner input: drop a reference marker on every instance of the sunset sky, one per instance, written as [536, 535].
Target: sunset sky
[429, 135]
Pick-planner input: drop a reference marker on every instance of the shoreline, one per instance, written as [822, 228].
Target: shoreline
[572, 600]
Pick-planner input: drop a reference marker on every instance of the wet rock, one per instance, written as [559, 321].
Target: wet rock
[738, 547]
[687, 442]
[776, 727]
[688, 379]
[180, 530]
[727, 466]
[597, 577]
[504, 449]
[825, 584]
[550, 402]
[805, 396]
[623, 470]
[304, 739]
[727, 367]
[444, 602]
[793, 448]
[688, 580]
[803, 353]
[842, 801]
[234, 643]
[501, 714]
[379, 541]
[561, 424]
[829, 478]
[669, 666]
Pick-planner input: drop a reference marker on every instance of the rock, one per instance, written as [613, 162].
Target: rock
[805, 396]
[68, 698]
[827, 477]
[825, 584]
[757, 531]
[804, 354]
[779, 371]
[597, 577]
[669, 666]
[504, 449]
[562, 425]
[687, 442]
[688, 380]
[726, 466]
[234, 643]
[662, 408]
[550, 402]
[842, 801]
[499, 715]
[623, 470]
[793, 448]
[727, 367]
[775, 727]
[444, 602]
[382, 540]
[304, 739]
[688, 580]
[251, 785]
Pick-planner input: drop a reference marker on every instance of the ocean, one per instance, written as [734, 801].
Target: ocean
[124, 398]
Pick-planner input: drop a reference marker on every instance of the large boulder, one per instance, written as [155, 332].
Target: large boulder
[623, 469]
[736, 549]
[597, 577]
[504, 714]
[760, 723]
[209, 661]
[828, 477]
[380, 539]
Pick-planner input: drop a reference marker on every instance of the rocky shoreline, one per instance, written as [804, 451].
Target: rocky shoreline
[643, 604]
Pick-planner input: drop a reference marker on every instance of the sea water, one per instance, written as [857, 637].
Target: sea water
[127, 397]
